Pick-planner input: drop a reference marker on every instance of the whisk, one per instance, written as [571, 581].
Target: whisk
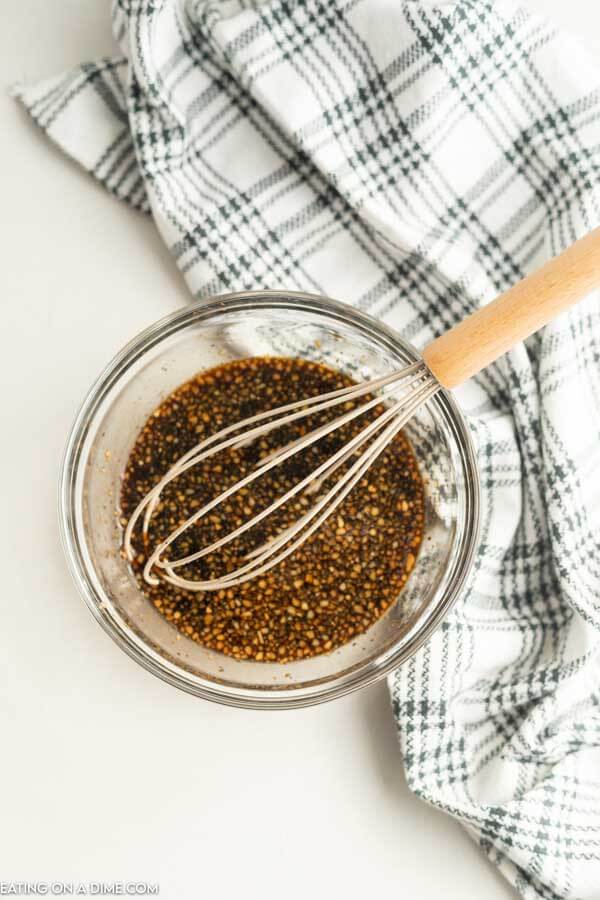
[449, 360]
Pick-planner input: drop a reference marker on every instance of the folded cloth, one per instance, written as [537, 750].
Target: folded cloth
[414, 160]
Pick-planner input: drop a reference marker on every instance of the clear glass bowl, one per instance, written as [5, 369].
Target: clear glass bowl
[168, 353]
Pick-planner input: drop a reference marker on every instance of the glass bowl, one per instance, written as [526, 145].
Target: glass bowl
[170, 352]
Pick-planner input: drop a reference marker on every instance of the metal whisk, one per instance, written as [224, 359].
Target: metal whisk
[448, 361]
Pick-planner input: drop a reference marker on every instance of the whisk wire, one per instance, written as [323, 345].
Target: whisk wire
[268, 556]
[307, 441]
[321, 472]
[280, 455]
[281, 415]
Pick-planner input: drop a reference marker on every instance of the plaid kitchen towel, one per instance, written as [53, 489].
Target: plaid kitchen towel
[413, 159]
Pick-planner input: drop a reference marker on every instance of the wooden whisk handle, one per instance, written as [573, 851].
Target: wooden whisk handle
[489, 332]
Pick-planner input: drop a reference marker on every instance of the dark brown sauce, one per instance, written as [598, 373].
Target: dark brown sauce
[334, 587]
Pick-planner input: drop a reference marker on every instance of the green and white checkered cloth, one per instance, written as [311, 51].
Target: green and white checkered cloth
[414, 160]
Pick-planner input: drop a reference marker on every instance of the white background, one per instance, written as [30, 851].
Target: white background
[106, 773]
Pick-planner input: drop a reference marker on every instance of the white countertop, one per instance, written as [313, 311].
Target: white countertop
[106, 773]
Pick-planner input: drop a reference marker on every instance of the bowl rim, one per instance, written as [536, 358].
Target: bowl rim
[280, 697]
